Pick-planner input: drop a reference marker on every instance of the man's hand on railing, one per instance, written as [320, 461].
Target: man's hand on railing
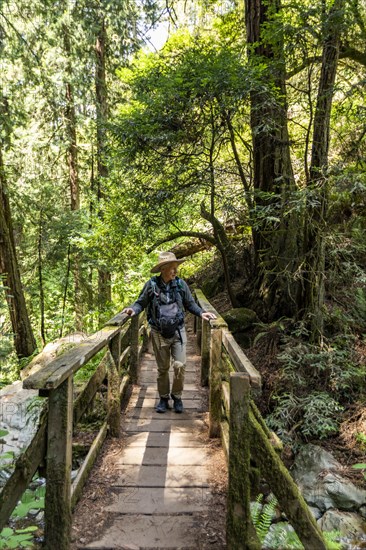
[207, 315]
[128, 311]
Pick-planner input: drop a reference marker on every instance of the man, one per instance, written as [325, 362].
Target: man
[166, 297]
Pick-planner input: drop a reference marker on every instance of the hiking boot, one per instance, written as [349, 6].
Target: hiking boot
[178, 404]
[163, 405]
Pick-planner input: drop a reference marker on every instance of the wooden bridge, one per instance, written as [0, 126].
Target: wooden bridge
[163, 487]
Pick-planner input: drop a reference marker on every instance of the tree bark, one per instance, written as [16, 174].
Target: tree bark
[104, 276]
[276, 231]
[24, 340]
[73, 173]
[317, 207]
[40, 278]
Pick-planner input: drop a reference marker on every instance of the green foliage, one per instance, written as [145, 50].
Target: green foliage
[263, 514]
[87, 370]
[31, 500]
[316, 415]
[360, 466]
[281, 535]
[333, 368]
[313, 386]
[361, 440]
[17, 538]
[23, 537]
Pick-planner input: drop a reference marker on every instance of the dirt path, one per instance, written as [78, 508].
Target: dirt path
[163, 483]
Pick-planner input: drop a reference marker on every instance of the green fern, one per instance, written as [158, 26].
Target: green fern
[263, 516]
[281, 535]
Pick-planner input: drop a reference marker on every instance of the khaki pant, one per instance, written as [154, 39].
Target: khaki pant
[170, 351]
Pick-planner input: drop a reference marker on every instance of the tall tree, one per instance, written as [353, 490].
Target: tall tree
[24, 341]
[72, 162]
[104, 276]
[276, 231]
[316, 212]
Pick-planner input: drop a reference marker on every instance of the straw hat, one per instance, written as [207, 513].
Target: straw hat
[165, 258]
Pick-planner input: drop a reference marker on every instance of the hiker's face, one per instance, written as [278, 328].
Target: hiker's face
[169, 271]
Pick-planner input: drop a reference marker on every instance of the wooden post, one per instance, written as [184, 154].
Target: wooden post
[113, 396]
[115, 350]
[215, 381]
[205, 352]
[145, 337]
[198, 330]
[59, 455]
[240, 532]
[134, 348]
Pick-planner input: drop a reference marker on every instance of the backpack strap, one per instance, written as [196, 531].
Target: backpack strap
[155, 299]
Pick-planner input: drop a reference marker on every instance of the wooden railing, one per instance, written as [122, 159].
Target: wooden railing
[248, 443]
[233, 383]
[124, 339]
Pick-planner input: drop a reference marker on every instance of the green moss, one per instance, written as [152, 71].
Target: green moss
[240, 319]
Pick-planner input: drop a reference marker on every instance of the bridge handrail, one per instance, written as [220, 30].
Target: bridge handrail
[125, 339]
[234, 417]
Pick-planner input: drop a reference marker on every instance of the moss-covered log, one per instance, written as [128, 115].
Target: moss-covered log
[205, 353]
[284, 487]
[215, 382]
[240, 532]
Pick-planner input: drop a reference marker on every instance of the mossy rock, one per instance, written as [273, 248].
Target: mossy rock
[210, 287]
[240, 319]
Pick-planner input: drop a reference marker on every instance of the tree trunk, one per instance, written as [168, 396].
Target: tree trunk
[40, 278]
[104, 276]
[316, 213]
[275, 232]
[24, 340]
[222, 242]
[72, 162]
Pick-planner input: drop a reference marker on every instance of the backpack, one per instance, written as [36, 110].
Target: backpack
[168, 317]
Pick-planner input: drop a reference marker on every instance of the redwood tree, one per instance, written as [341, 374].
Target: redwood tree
[316, 212]
[276, 230]
[24, 340]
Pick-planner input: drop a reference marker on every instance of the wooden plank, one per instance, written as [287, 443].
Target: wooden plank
[59, 457]
[87, 394]
[118, 320]
[68, 363]
[113, 399]
[205, 304]
[87, 465]
[24, 469]
[125, 336]
[240, 360]
[125, 356]
[205, 353]
[224, 426]
[124, 385]
[198, 329]
[90, 458]
[225, 388]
